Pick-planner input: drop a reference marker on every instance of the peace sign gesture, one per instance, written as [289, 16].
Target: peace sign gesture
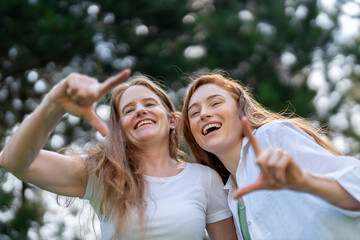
[77, 93]
[278, 168]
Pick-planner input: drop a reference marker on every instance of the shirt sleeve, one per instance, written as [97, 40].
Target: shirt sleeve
[218, 208]
[94, 189]
[312, 157]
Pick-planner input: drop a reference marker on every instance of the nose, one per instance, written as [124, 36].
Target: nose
[204, 114]
[140, 110]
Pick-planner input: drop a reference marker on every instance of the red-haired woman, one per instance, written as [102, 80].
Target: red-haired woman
[318, 191]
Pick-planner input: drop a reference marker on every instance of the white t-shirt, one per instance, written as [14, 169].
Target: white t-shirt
[286, 214]
[178, 206]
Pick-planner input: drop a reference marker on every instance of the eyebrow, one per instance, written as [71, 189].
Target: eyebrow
[132, 103]
[208, 98]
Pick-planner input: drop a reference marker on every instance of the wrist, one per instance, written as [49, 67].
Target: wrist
[51, 110]
[305, 184]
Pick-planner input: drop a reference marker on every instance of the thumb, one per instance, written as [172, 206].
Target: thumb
[96, 122]
[248, 132]
[257, 185]
[113, 81]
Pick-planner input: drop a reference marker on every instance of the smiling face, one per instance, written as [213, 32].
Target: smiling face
[214, 120]
[143, 117]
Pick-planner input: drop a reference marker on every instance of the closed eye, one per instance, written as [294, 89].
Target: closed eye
[215, 103]
[129, 110]
[194, 113]
[149, 104]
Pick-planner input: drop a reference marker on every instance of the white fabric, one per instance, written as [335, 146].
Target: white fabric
[286, 214]
[178, 207]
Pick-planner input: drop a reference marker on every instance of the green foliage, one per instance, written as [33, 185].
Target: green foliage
[41, 32]
[6, 198]
[25, 213]
[251, 49]
[28, 215]
[248, 39]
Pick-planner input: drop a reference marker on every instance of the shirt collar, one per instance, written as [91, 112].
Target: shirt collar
[230, 184]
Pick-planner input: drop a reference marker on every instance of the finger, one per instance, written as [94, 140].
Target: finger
[71, 81]
[112, 81]
[262, 162]
[82, 89]
[257, 185]
[282, 166]
[272, 163]
[77, 100]
[248, 133]
[90, 94]
[96, 122]
[71, 92]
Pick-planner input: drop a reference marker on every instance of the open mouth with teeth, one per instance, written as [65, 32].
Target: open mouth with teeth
[211, 128]
[144, 122]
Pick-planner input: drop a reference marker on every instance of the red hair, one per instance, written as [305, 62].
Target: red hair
[256, 114]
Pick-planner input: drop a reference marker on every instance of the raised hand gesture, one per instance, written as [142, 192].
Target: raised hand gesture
[278, 168]
[77, 93]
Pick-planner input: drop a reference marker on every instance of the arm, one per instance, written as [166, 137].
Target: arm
[223, 229]
[279, 170]
[328, 189]
[23, 155]
[219, 222]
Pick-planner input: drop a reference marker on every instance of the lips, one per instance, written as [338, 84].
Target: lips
[210, 127]
[144, 122]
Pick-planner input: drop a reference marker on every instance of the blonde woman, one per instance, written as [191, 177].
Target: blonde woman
[290, 181]
[135, 182]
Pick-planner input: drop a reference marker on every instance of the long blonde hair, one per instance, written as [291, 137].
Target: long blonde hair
[119, 164]
[256, 114]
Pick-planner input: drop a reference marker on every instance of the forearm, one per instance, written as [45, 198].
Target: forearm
[30, 137]
[330, 190]
[223, 229]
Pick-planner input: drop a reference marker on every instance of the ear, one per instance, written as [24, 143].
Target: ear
[173, 120]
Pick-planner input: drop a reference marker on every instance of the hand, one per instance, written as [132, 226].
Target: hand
[77, 93]
[278, 168]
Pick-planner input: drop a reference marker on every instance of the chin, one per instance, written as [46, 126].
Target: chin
[149, 137]
[146, 138]
[213, 147]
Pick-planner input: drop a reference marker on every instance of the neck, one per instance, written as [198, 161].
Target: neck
[230, 157]
[156, 159]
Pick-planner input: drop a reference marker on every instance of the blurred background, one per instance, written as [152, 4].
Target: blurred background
[299, 55]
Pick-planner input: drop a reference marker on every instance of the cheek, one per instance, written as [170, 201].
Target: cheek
[125, 122]
[235, 127]
[194, 129]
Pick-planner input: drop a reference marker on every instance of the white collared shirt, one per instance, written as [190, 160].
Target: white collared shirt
[286, 214]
